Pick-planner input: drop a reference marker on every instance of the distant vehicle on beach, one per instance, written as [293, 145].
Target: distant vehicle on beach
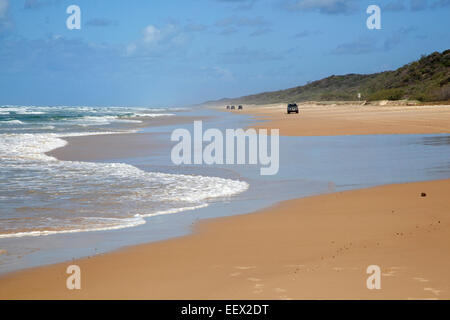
[232, 108]
[292, 107]
[228, 107]
[240, 108]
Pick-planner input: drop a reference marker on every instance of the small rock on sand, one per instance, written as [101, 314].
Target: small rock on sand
[423, 194]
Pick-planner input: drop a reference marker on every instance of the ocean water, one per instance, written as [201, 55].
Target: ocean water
[40, 195]
[69, 119]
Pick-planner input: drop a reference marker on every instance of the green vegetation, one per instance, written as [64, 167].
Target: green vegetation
[387, 94]
[427, 79]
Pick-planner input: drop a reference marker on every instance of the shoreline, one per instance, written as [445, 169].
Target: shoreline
[13, 285]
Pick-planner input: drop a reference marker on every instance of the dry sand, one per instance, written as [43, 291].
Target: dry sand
[324, 120]
[312, 248]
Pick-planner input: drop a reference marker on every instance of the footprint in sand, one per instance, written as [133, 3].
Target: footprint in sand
[258, 288]
[434, 291]
[294, 265]
[235, 274]
[254, 279]
[397, 268]
[245, 267]
[392, 271]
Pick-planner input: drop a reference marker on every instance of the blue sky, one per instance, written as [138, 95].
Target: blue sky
[165, 53]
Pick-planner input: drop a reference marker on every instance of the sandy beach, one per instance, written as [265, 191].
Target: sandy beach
[329, 120]
[312, 248]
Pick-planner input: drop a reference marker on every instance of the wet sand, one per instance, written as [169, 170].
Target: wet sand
[120, 145]
[329, 120]
[108, 147]
[311, 248]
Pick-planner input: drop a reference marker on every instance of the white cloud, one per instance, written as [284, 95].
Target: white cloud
[6, 22]
[4, 5]
[324, 6]
[223, 73]
[131, 48]
[156, 39]
[151, 35]
[217, 72]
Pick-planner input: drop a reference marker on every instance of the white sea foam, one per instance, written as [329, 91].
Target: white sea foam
[47, 128]
[124, 223]
[138, 194]
[177, 210]
[34, 145]
[152, 115]
[12, 122]
[101, 120]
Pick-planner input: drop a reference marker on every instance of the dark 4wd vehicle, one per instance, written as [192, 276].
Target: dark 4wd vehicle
[292, 107]
[240, 108]
[232, 108]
